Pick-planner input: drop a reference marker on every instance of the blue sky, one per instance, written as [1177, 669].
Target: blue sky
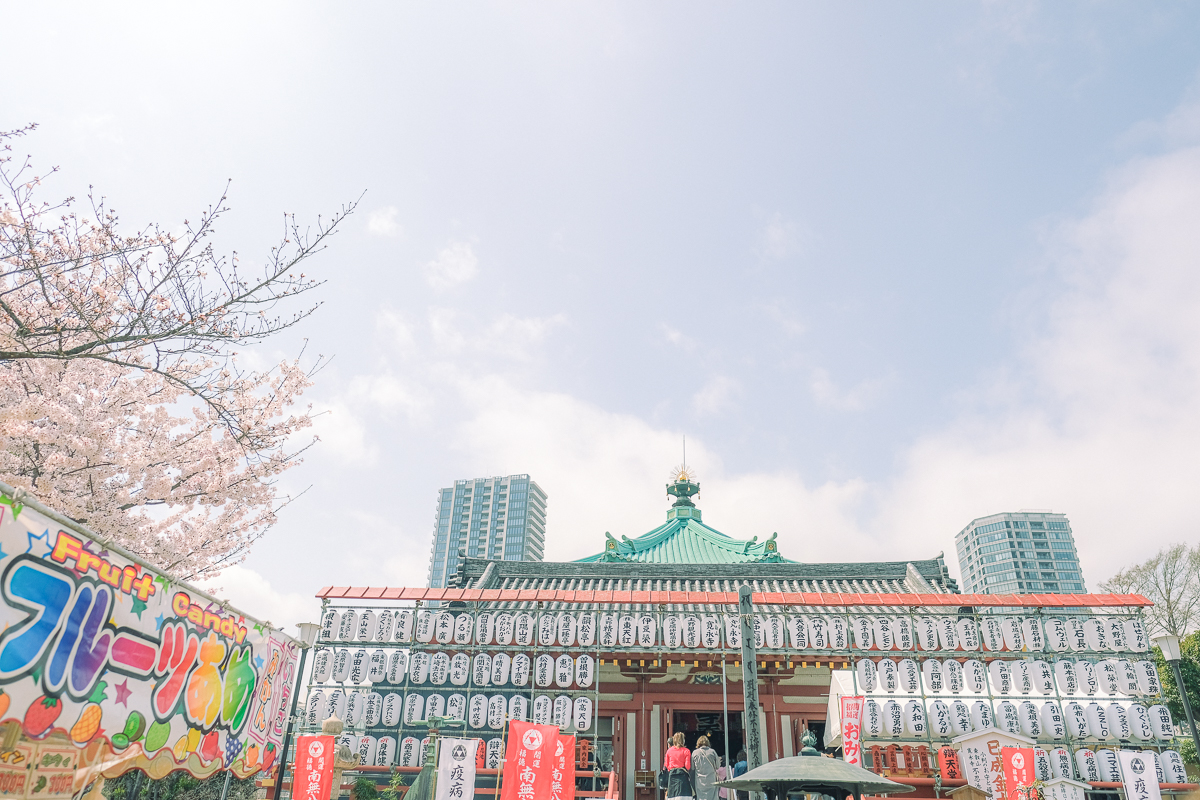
[889, 267]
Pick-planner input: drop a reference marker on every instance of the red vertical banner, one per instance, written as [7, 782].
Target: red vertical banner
[948, 763]
[562, 778]
[529, 762]
[852, 709]
[1019, 774]
[312, 778]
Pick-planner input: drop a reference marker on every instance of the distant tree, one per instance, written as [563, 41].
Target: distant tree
[122, 401]
[1171, 580]
[1189, 668]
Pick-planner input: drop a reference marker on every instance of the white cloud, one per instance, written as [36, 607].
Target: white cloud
[385, 222]
[342, 433]
[780, 238]
[677, 337]
[253, 594]
[829, 395]
[717, 395]
[455, 264]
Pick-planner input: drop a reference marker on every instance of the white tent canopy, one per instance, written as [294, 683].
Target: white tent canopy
[841, 682]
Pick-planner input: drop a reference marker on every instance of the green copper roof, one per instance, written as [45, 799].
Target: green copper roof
[684, 539]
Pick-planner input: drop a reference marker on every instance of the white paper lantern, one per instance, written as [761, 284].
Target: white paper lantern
[567, 630]
[1106, 671]
[1022, 675]
[960, 717]
[414, 708]
[543, 670]
[494, 754]
[931, 671]
[893, 719]
[1127, 678]
[797, 633]
[581, 713]
[418, 668]
[397, 667]
[672, 631]
[1118, 722]
[904, 633]
[377, 666]
[1031, 632]
[485, 625]
[947, 635]
[1043, 677]
[607, 630]
[909, 674]
[506, 628]
[992, 633]
[393, 706]
[404, 626]
[939, 720]
[463, 628]
[372, 708]
[818, 633]
[1161, 722]
[1094, 634]
[439, 669]
[839, 635]
[1135, 636]
[331, 623]
[861, 628]
[710, 632]
[1065, 678]
[872, 719]
[501, 665]
[1007, 718]
[477, 708]
[408, 751]
[626, 631]
[1077, 634]
[1001, 677]
[1147, 679]
[424, 627]
[1153, 758]
[341, 665]
[564, 671]
[358, 666]
[587, 628]
[456, 707]
[545, 630]
[887, 675]
[692, 631]
[774, 630]
[523, 630]
[1097, 721]
[1056, 635]
[885, 639]
[348, 626]
[424, 743]
[914, 719]
[316, 709]
[518, 707]
[1172, 764]
[952, 676]
[336, 705]
[443, 627]
[1053, 722]
[562, 712]
[367, 627]
[460, 669]
[1076, 719]
[981, 716]
[1011, 628]
[1041, 764]
[733, 631]
[385, 753]
[1115, 629]
[1030, 720]
[322, 665]
[760, 636]
[866, 673]
[1139, 722]
[1088, 681]
[927, 636]
[366, 750]
[1061, 763]
[481, 669]
[497, 708]
[521, 667]
[647, 631]
[974, 676]
[435, 706]
[585, 671]
[968, 633]
[1110, 766]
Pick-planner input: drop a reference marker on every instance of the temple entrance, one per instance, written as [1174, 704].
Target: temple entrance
[694, 724]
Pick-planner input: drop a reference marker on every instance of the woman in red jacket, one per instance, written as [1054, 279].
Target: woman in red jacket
[678, 764]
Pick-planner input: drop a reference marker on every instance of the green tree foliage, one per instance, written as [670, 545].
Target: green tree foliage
[1189, 666]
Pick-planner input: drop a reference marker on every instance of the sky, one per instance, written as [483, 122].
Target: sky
[888, 267]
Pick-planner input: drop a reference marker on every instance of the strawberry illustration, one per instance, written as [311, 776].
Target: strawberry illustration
[40, 716]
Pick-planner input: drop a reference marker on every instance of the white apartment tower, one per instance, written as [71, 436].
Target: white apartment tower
[1029, 552]
[494, 518]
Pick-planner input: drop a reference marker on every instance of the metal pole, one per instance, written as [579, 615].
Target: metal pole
[225, 788]
[749, 678]
[725, 708]
[287, 735]
[1187, 706]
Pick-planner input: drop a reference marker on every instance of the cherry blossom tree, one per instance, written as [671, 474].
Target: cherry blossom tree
[122, 402]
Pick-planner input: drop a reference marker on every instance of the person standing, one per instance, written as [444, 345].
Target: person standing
[705, 763]
[740, 767]
[678, 764]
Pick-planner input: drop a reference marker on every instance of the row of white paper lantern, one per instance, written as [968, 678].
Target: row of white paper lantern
[483, 669]
[372, 709]
[1122, 722]
[1021, 676]
[382, 751]
[1102, 765]
[772, 631]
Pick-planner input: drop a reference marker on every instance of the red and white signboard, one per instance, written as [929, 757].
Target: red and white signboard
[528, 764]
[562, 777]
[852, 710]
[1019, 773]
[312, 778]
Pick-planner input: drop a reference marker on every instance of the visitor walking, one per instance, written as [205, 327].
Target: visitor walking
[705, 763]
[739, 768]
[678, 764]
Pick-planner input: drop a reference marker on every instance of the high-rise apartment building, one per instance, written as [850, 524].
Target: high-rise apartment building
[1022, 553]
[496, 518]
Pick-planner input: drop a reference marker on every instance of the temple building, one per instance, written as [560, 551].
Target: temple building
[642, 640]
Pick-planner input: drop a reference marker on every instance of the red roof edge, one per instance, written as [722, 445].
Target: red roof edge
[324, 591]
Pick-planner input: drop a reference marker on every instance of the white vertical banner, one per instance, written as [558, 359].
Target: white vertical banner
[456, 769]
[1139, 775]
